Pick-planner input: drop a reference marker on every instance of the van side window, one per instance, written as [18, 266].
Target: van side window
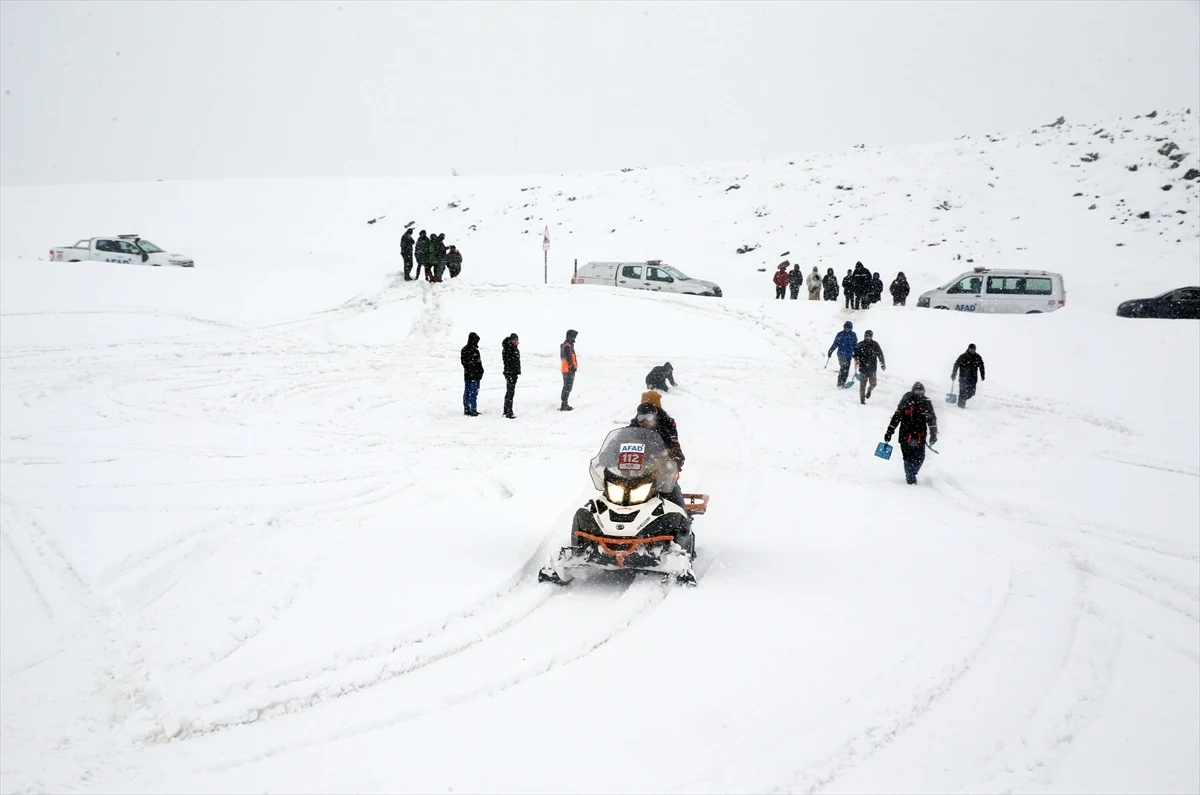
[632, 271]
[126, 247]
[105, 245]
[971, 284]
[1038, 285]
[657, 275]
[1005, 285]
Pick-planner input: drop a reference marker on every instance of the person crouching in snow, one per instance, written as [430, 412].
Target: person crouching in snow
[658, 377]
[914, 415]
[650, 415]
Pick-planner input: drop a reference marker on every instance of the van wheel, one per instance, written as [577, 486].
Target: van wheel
[72, 260]
[1033, 312]
[943, 307]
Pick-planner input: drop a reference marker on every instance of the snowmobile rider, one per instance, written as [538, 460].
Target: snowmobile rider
[659, 376]
[650, 415]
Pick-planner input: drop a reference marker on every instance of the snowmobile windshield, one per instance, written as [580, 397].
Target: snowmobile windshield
[634, 454]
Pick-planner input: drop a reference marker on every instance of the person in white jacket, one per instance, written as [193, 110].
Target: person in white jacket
[814, 285]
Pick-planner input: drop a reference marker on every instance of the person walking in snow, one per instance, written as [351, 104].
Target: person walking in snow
[876, 288]
[914, 416]
[899, 289]
[814, 285]
[406, 253]
[566, 356]
[830, 283]
[781, 280]
[795, 280]
[966, 367]
[844, 343]
[867, 356]
[862, 286]
[422, 254]
[848, 287]
[472, 364]
[510, 356]
[658, 377]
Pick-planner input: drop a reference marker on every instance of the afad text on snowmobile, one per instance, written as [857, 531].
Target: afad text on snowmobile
[629, 526]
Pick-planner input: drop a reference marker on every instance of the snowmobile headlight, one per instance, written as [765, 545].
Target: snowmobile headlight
[639, 494]
[615, 492]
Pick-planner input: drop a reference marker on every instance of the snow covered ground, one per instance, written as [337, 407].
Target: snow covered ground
[250, 542]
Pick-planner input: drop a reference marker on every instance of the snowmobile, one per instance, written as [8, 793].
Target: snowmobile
[630, 525]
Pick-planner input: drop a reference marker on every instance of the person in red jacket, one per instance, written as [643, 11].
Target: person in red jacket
[781, 280]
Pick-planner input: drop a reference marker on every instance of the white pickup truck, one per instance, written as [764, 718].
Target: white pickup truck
[120, 248]
[644, 275]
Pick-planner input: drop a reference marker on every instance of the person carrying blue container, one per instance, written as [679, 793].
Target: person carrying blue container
[844, 343]
[914, 416]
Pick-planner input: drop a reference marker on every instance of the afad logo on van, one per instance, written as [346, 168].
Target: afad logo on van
[964, 307]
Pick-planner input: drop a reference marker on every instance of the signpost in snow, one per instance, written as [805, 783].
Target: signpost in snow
[546, 256]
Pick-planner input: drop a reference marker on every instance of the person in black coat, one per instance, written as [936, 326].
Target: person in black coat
[472, 364]
[967, 367]
[876, 288]
[914, 416]
[658, 377]
[511, 356]
[437, 256]
[795, 281]
[406, 253]
[862, 286]
[453, 261]
[899, 289]
[848, 287]
[422, 252]
[830, 283]
[653, 417]
[868, 356]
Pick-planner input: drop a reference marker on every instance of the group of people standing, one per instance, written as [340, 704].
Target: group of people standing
[510, 357]
[914, 415]
[431, 255]
[861, 287]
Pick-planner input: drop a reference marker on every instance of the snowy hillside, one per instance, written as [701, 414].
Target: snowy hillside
[250, 542]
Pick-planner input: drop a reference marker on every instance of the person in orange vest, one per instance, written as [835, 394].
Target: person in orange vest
[566, 355]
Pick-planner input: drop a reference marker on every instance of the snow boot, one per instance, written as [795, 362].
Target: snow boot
[565, 407]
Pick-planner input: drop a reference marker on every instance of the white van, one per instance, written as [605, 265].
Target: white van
[994, 290]
[647, 275]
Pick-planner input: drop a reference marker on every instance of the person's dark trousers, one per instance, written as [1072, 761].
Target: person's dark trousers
[795, 293]
[470, 396]
[408, 264]
[509, 391]
[843, 369]
[966, 390]
[676, 496]
[855, 302]
[779, 292]
[866, 382]
[568, 382]
[914, 456]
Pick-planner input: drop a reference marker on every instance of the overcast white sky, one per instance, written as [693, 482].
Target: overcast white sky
[120, 91]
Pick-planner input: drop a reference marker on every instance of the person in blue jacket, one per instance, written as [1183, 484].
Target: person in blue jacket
[844, 343]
